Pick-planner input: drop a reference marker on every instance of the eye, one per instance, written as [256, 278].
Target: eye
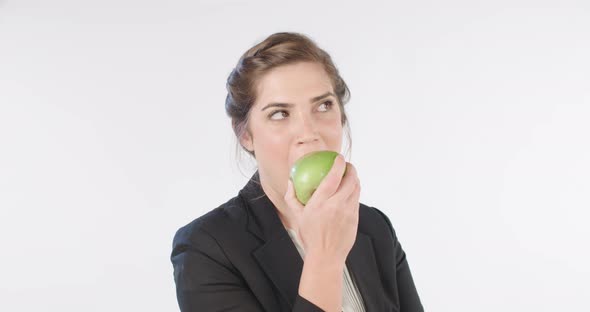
[328, 104]
[284, 112]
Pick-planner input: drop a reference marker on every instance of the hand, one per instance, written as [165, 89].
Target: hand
[328, 224]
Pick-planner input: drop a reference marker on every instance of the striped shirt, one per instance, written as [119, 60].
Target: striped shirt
[351, 297]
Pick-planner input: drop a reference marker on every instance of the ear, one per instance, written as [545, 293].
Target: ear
[247, 142]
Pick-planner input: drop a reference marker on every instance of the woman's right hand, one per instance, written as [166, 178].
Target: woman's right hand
[328, 224]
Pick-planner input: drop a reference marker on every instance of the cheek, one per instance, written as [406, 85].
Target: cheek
[334, 127]
[272, 142]
[333, 134]
[273, 154]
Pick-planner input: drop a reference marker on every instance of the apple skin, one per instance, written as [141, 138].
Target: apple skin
[308, 172]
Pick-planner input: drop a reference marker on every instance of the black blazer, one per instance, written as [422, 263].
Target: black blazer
[239, 257]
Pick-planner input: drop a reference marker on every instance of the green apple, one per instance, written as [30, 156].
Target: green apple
[308, 172]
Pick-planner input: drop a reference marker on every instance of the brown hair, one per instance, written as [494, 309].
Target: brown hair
[277, 49]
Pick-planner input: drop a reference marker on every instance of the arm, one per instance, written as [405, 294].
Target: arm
[207, 281]
[321, 282]
[408, 295]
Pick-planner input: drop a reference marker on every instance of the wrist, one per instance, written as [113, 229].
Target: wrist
[323, 261]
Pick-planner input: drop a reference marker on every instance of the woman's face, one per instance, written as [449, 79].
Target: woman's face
[296, 112]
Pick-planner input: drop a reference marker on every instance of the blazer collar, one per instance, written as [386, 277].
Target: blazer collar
[280, 260]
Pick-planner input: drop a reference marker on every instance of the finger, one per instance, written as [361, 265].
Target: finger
[331, 181]
[356, 193]
[348, 183]
[353, 201]
[291, 198]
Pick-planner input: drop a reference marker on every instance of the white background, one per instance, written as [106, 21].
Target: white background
[470, 128]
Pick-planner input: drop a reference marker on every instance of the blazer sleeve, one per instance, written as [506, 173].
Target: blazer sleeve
[207, 281]
[408, 295]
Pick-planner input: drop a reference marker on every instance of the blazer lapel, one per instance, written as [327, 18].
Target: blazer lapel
[282, 264]
[279, 259]
[363, 268]
[277, 256]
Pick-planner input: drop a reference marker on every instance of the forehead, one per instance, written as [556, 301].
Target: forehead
[294, 82]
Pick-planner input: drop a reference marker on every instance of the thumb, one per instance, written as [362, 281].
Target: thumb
[291, 199]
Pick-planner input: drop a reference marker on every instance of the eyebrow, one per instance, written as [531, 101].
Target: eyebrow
[312, 100]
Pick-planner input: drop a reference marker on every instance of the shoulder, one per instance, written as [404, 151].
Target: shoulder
[386, 247]
[371, 219]
[228, 215]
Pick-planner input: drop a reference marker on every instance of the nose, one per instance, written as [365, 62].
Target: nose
[307, 130]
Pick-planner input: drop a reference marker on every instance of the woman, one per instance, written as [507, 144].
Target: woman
[263, 250]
